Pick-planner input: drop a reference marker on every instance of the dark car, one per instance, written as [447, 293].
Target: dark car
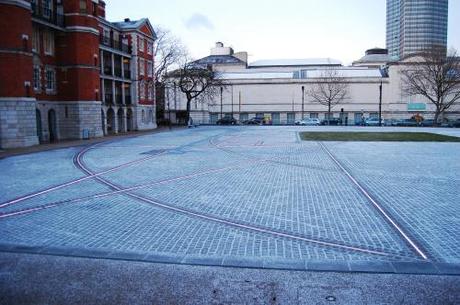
[226, 121]
[332, 121]
[407, 123]
[254, 121]
[427, 123]
[455, 123]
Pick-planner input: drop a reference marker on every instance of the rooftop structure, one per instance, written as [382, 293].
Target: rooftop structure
[306, 62]
[375, 57]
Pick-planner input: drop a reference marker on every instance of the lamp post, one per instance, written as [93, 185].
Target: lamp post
[380, 103]
[239, 102]
[232, 102]
[303, 102]
[221, 105]
[169, 107]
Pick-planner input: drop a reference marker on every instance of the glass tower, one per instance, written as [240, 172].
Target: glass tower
[413, 25]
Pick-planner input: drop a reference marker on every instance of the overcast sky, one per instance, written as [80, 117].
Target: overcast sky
[273, 29]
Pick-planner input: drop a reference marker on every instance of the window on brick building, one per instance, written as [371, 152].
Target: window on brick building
[142, 89]
[141, 66]
[47, 10]
[36, 79]
[150, 68]
[48, 42]
[83, 9]
[106, 36]
[141, 44]
[94, 9]
[150, 91]
[36, 40]
[50, 80]
[149, 48]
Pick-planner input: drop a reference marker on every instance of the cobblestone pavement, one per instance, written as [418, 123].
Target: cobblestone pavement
[242, 192]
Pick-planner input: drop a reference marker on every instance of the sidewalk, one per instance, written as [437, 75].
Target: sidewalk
[72, 143]
[54, 280]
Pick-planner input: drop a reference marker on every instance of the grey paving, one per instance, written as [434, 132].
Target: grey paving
[243, 196]
[26, 279]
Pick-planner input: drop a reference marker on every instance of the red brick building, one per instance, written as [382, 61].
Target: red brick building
[67, 73]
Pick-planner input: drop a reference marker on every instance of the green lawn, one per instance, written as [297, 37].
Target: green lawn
[377, 136]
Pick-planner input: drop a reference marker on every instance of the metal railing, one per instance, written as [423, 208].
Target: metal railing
[48, 15]
[114, 44]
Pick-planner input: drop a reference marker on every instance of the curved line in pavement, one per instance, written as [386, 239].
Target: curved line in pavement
[75, 181]
[204, 216]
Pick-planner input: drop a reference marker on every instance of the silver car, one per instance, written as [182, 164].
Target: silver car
[309, 122]
[374, 122]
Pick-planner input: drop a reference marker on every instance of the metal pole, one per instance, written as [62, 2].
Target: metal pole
[169, 107]
[221, 111]
[232, 101]
[239, 102]
[303, 102]
[380, 104]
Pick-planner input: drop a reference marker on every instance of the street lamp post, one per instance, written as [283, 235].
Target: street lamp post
[303, 102]
[232, 101]
[169, 107]
[380, 104]
[221, 105]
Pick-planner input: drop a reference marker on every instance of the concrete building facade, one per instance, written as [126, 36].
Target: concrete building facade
[413, 25]
[278, 90]
[53, 72]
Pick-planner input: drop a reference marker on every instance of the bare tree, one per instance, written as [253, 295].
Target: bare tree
[436, 76]
[330, 89]
[198, 82]
[169, 53]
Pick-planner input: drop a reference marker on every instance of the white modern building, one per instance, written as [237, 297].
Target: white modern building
[277, 89]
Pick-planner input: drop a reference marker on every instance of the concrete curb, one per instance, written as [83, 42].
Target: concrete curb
[398, 267]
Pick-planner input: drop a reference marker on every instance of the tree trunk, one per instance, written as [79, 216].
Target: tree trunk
[188, 110]
[436, 116]
[329, 114]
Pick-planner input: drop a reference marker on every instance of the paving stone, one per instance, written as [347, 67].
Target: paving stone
[244, 196]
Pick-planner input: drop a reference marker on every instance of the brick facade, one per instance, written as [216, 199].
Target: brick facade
[55, 83]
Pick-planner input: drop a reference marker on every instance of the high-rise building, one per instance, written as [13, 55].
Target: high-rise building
[414, 25]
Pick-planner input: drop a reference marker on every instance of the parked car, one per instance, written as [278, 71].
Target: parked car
[455, 123]
[309, 122]
[373, 122]
[227, 121]
[391, 122]
[407, 123]
[333, 121]
[427, 123]
[254, 121]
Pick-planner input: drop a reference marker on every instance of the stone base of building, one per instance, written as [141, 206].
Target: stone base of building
[69, 120]
[17, 122]
[146, 117]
